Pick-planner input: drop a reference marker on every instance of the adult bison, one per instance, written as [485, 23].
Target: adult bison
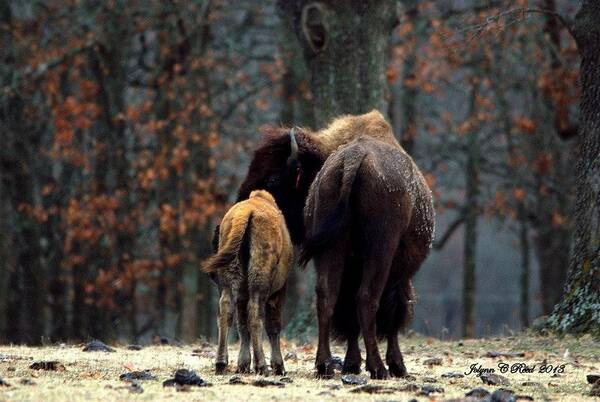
[368, 223]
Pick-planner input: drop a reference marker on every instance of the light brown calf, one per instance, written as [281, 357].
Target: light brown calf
[251, 268]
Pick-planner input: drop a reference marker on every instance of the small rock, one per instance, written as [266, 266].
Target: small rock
[478, 393]
[429, 389]
[134, 388]
[453, 374]
[524, 398]
[236, 379]
[531, 384]
[163, 340]
[595, 389]
[134, 347]
[409, 388]
[286, 380]
[592, 378]
[183, 388]
[291, 356]
[494, 379]
[460, 344]
[97, 346]
[373, 389]
[334, 387]
[4, 383]
[409, 377]
[52, 365]
[326, 393]
[137, 375]
[169, 383]
[494, 354]
[185, 377]
[352, 379]
[429, 379]
[27, 381]
[336, 363]
[503, 395]
[435, 361]
[263, 382]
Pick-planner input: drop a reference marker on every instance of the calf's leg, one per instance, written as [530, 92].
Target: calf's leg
[225, 316]
[255, 318]
[274, 310]
[243, 364]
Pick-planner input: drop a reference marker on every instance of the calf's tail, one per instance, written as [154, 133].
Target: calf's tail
[229, 250]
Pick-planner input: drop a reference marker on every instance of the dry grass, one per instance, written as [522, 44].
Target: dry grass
[94, 376]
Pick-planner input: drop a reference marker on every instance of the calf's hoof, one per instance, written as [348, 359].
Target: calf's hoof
[397, 369]
[220, 368]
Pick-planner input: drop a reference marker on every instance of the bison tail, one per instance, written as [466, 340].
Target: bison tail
[334, 221]
[230, 250]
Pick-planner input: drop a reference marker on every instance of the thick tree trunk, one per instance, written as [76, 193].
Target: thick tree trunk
[525, 268]
[470, 234]
[553, 257]
[345, 49]
[579, 311]
[470, 242]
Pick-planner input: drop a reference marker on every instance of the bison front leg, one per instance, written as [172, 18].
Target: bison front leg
[255, 316]
[225, 316]
[273, 314]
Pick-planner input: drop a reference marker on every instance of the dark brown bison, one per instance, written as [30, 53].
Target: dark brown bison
[367, 222]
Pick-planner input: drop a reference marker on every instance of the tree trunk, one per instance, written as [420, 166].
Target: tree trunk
[525, 264]
[470, 242]
[579, 311]
[345, 49]
[470, 235]
[408, 127]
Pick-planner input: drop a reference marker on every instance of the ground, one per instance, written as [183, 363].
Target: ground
[94, 376]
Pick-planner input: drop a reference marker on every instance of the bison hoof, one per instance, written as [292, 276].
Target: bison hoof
[220, 368]
[397, 370]
[278, 369]
[349, 368]
[243, 368]
[325, 370]
[379, 373]
[263, 370]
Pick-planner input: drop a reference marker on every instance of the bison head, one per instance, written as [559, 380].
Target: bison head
[285, 164]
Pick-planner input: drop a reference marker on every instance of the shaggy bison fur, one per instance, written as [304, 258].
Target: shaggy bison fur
[368, 223]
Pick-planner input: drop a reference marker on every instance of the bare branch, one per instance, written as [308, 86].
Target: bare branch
[438, 245]
[514, 12]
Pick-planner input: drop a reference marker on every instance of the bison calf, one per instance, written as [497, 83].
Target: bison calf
[251, 268]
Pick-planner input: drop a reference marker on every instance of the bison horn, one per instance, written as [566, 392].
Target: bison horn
[293, 147]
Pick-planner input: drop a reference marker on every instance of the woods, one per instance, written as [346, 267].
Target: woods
[127, 127]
